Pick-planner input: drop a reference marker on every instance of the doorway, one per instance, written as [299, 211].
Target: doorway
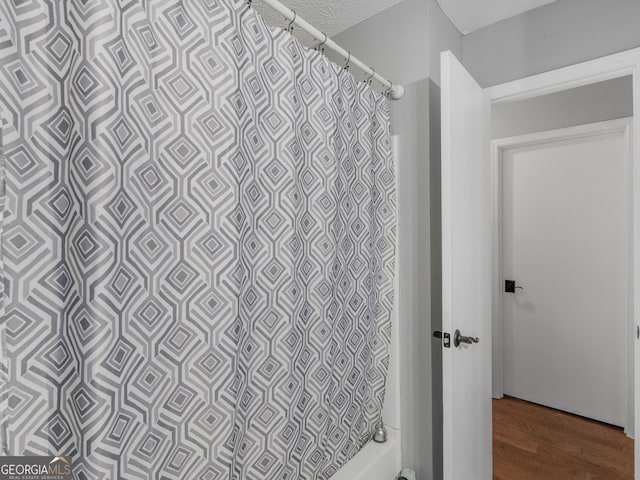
[559, 338]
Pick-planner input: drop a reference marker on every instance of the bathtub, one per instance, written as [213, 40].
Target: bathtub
[376, 461]
[382, 461]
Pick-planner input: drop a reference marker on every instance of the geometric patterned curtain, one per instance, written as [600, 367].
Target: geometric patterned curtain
[198, 235]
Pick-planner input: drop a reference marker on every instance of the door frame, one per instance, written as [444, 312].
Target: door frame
[498, 148]
[618, 65]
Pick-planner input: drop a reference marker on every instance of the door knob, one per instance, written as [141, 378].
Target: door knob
[510, 286]
[458, 338]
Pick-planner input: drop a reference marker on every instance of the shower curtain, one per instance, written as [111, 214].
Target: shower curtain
[197, 243]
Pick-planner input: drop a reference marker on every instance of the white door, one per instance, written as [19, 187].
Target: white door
[466, 273]
[566, 242]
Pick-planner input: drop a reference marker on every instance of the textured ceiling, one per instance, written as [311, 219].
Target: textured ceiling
[470, 15]
[329, 16]
[335, 16]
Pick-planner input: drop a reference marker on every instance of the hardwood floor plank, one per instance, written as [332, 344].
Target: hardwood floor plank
[532, 442]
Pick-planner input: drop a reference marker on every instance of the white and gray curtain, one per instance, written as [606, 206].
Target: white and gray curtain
[197, 243]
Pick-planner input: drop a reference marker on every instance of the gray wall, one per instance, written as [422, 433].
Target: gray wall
[443, 35]
[588, 104]
[393, 42]
[410, 121]
[555, 35]
[403, 43]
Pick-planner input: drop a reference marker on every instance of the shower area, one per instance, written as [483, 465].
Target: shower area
[197, 246]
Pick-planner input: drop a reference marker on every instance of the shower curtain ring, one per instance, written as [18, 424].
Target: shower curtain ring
[387, 92]
[290, 27]
[346, 67]
[368, 79]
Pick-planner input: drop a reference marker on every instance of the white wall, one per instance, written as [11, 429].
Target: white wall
[588, 104]
[403, 44]
[561, 33]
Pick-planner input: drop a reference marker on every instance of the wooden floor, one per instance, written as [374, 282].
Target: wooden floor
[531, 442]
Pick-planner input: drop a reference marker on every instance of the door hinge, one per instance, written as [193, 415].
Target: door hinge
[446, 338]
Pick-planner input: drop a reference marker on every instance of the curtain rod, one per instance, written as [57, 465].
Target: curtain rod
[395, 92]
